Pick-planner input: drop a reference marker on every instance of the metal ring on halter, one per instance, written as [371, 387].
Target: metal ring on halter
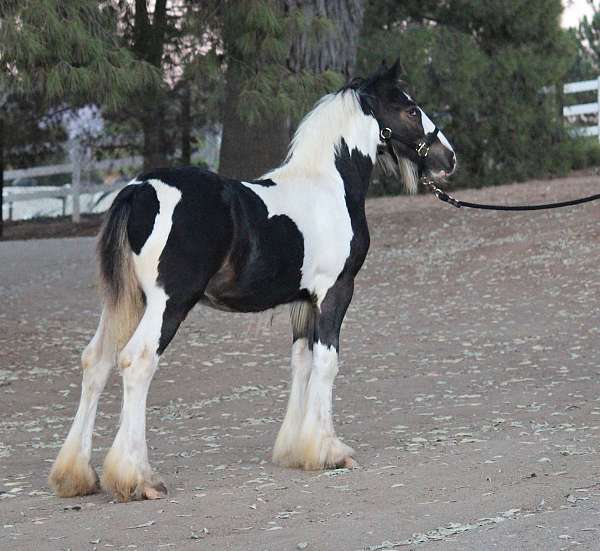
[385, 133]
[423, 149]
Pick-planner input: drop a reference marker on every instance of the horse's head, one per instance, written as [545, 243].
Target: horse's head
[410, 142]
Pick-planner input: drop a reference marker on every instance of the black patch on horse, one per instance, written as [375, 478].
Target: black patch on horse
[141, 220]
[355, 169]
[263, 267]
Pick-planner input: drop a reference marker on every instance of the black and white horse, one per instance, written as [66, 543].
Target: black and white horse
[299, 235]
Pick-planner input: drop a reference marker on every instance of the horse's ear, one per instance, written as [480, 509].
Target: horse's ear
[382, 69]
[396, 70]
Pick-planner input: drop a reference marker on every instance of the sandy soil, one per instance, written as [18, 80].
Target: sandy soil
[468, 386]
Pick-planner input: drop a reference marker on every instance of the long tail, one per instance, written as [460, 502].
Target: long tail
[119, 287]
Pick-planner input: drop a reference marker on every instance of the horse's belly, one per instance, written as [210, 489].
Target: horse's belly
[257, 288]
[263, 270]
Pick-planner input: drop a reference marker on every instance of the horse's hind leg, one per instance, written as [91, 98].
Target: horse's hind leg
[72, 474]
[127, 473]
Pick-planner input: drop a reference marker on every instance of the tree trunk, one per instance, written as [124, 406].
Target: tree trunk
[337, 49]
[154, 141]
[149, 42]
[247, 151]
[186, 123]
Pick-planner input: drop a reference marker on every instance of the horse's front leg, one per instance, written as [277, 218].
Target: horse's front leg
[320, 447]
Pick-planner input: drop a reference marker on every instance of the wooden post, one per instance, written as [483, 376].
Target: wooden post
[76, 184]
[598, 96]
[559, 88]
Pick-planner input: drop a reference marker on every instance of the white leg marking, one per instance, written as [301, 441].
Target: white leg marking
[320, 447]
[286, 451]
[72, 473]
[127, 472]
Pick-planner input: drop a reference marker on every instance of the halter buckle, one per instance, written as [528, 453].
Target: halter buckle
[423, 149]
[385, 134]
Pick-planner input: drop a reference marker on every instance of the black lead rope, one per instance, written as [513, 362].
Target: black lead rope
[447, 198]
[422, 150]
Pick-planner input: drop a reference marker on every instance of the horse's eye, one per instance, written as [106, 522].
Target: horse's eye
[413, 112]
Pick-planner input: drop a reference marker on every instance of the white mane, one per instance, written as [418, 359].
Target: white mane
[318, 136]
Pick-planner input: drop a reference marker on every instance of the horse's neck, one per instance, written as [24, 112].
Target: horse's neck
[352, 163]
[335, 138]
[353, 169]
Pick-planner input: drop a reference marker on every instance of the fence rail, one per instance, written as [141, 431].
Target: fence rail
[73, 190]
[67, 168]
[584, 108]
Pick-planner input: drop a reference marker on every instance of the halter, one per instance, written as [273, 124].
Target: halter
[421, 148]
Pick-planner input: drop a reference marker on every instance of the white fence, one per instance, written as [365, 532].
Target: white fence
[584, 108]
[71, 193]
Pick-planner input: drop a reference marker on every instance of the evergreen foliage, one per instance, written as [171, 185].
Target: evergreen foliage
[257, 37]
[56, 53]
[587, 42]
[280, 56]
[484, 66]
[66, 51]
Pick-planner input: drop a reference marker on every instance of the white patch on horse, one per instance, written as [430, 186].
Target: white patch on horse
[146, 263]
[319, 446]
[72, 473]
[428, 126]
[310, 190]
[286, 451]
[320, 132]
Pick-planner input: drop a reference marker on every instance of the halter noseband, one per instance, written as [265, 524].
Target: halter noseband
[421, 148]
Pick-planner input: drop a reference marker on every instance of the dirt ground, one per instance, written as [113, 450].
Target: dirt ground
[468, 386]
[52, 227]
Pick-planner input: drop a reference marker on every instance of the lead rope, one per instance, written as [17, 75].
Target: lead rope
[447, 198]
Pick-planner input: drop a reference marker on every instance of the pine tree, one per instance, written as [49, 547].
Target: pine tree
[148, 35]
[484, 65]
[587, 37]
[65, 52]
[281, 55]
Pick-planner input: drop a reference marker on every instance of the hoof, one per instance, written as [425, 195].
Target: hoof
[315, 454]
[133, 488]
[127, 482]
[156, 491]
[346, 463]
[73, 476]
[332, 454]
